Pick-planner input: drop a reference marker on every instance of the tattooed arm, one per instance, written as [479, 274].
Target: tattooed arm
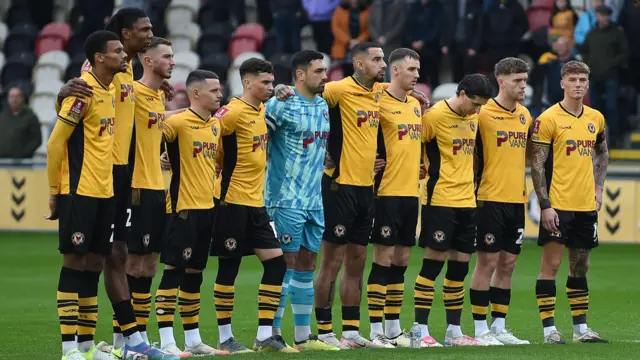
[600, 165]
[539, 155]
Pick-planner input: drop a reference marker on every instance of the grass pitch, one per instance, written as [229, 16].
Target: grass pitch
[30, 267]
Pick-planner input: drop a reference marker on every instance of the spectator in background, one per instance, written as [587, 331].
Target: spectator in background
[585, 22]
[349, 27]
[387, 24]
[287, 21]
[505, 23]
[563, 20]
[605, 50]
[180, 101]
[319, 13]
[549, 66]
[20, 135]
[616, 7]
[462, 37]
[424, 30]
[224, 9]
[630, 22]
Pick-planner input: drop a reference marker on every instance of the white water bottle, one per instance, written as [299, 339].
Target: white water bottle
[415, 335]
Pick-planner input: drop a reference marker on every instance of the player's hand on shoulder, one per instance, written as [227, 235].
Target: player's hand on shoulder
[53, 208]
[550, 220]
[168, 89]
[423, 172]
[164, 161]
[283, 92]
[422, 98]
[76, 87]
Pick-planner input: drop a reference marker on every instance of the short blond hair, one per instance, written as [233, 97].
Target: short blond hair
[574, 67]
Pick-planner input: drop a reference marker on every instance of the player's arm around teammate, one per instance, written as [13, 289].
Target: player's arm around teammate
[501, 146]
[569, 184]
[448, 219]
[396, 203]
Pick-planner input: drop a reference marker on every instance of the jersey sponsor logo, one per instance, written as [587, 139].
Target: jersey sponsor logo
[592, 128]
[220, 113]
[515, 138]
[319, 137]
[107, 125]
[465, 146]
[370, 117]
[155, 118]
[77, 108]
[522, 119]
[259, 142]
[126, 91]
[206, 148]
[413, 131]
[583, 147]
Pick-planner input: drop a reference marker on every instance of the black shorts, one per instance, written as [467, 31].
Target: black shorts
[500, 227]
[189, 239]
[148, 219]
[240, 229]
[122, 198]
[85, 224]
[448, 228]
[349, 217]
[396, 220]
[578, 230]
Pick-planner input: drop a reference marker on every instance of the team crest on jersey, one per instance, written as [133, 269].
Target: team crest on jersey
[214, 129]
[472, 125]
[339, 230]
[145, 240]
[416, 111]
[592, 128]
[385, 232]
[113, 101]
[285, 239]
[522, 119]
[489, 239]
[220, 113]
[438, 236]
[377, 97]
[186, 253]
[325, 114]
[76, 110]
[230, 244]
[77, 238]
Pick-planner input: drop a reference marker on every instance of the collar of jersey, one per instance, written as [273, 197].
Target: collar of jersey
[98, 80]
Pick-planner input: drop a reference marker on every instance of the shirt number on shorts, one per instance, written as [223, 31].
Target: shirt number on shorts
[595, 232]
[127, 224]
[520, 236]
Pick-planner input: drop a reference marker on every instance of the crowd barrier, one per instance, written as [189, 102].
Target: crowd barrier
[24, 203]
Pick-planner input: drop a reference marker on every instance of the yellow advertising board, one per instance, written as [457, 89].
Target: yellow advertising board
[24, 203]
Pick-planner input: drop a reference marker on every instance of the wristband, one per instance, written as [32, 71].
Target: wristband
[545, 204]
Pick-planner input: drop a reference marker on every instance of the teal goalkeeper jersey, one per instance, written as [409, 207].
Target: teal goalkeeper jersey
[298, 135]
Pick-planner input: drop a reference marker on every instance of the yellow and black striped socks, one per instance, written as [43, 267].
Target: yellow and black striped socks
[453, 293]
[67, 298]
[424, 291]
[141, 299]
[350, 320]
[87, 310]
[546, 296]
[127, 321]
[500, 300]
[578, 295]
[269, 295]
[323, 318]
[393, 301]
[224, 295]
[376, 296]
[189, 302]
[166, 297]
[479, 309]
